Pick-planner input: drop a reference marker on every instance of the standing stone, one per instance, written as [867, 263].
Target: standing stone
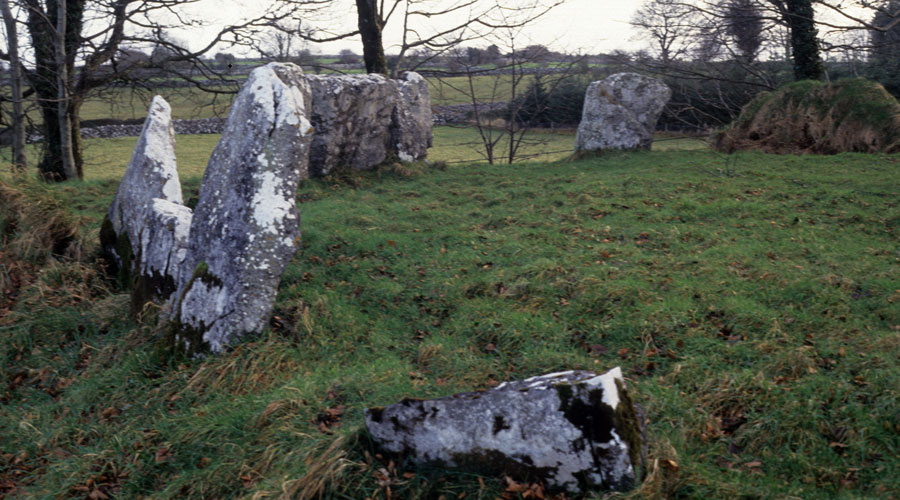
[351, 115]
[245, 228]
[574, 430]
[621, 112]
[412, 120]
[145, 233]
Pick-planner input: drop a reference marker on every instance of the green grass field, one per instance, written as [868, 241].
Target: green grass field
[105, 158]
[192, 103]
[752, 303]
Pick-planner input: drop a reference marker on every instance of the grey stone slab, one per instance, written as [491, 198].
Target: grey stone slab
[575, 430]
[620, 112]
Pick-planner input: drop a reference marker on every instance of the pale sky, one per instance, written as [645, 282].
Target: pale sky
[590, 26]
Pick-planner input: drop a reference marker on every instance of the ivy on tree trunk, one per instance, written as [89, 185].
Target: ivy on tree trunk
[804, 42]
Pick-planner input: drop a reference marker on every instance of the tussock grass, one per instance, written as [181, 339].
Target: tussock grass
[752, 306]
[34, 224]
[852, 115]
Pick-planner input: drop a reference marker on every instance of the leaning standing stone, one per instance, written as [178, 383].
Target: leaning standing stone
[245, 228]
[574, 430]
[145, 233]
[621, 112]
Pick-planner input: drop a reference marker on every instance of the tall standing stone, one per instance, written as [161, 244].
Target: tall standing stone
[412, 119]
[362, 121]
[351, 115]
[245, 228]
[621, 112]
[145, 233]
[573, 430]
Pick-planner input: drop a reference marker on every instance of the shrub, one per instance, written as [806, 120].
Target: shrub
[560, 105]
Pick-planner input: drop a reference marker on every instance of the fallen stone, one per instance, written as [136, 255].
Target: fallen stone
[412, 119]
[574, 430]
[144, 236]
[245, 227]
[351, 115]
[620, 112]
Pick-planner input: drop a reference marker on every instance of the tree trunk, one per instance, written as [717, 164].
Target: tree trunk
[45, 80]
[370, 26]
[62, 94]
[15, 75]
[804, 44]
[51, 166]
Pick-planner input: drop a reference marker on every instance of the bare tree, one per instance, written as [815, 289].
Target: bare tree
[433, 25]
[497, 96]
[15, 82]
[347, 56]
[280, 43]
[94, 35]
[669, 26]
[745, 26]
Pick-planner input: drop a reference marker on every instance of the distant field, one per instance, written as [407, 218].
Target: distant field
[488, 88]
[106, 158]
[192, 103]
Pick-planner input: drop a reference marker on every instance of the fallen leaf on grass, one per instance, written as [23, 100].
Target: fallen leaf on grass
[163, 455]
[596, 350]
[98, 495]
[670, 464]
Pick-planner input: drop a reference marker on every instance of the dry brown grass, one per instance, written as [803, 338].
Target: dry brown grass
[808, 117]
[36, 224]
[249, 367]
[36, 228]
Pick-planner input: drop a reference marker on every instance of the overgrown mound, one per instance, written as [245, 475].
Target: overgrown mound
[854, 115]
[34, 226]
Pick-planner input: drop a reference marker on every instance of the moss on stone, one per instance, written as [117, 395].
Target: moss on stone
[628, 426]
[495, 462]
[597, 420]
[376, 413]
[153, 287]
[118, 251]
[187, 339]
[566, 394]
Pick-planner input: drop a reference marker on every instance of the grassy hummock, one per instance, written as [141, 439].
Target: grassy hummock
[851, 115]
[753, 309]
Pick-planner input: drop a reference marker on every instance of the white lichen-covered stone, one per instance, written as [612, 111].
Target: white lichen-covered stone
[412, 120]
[351, 115]
[620, 112]
[575, 430]
[246, 224]
[145, 234]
